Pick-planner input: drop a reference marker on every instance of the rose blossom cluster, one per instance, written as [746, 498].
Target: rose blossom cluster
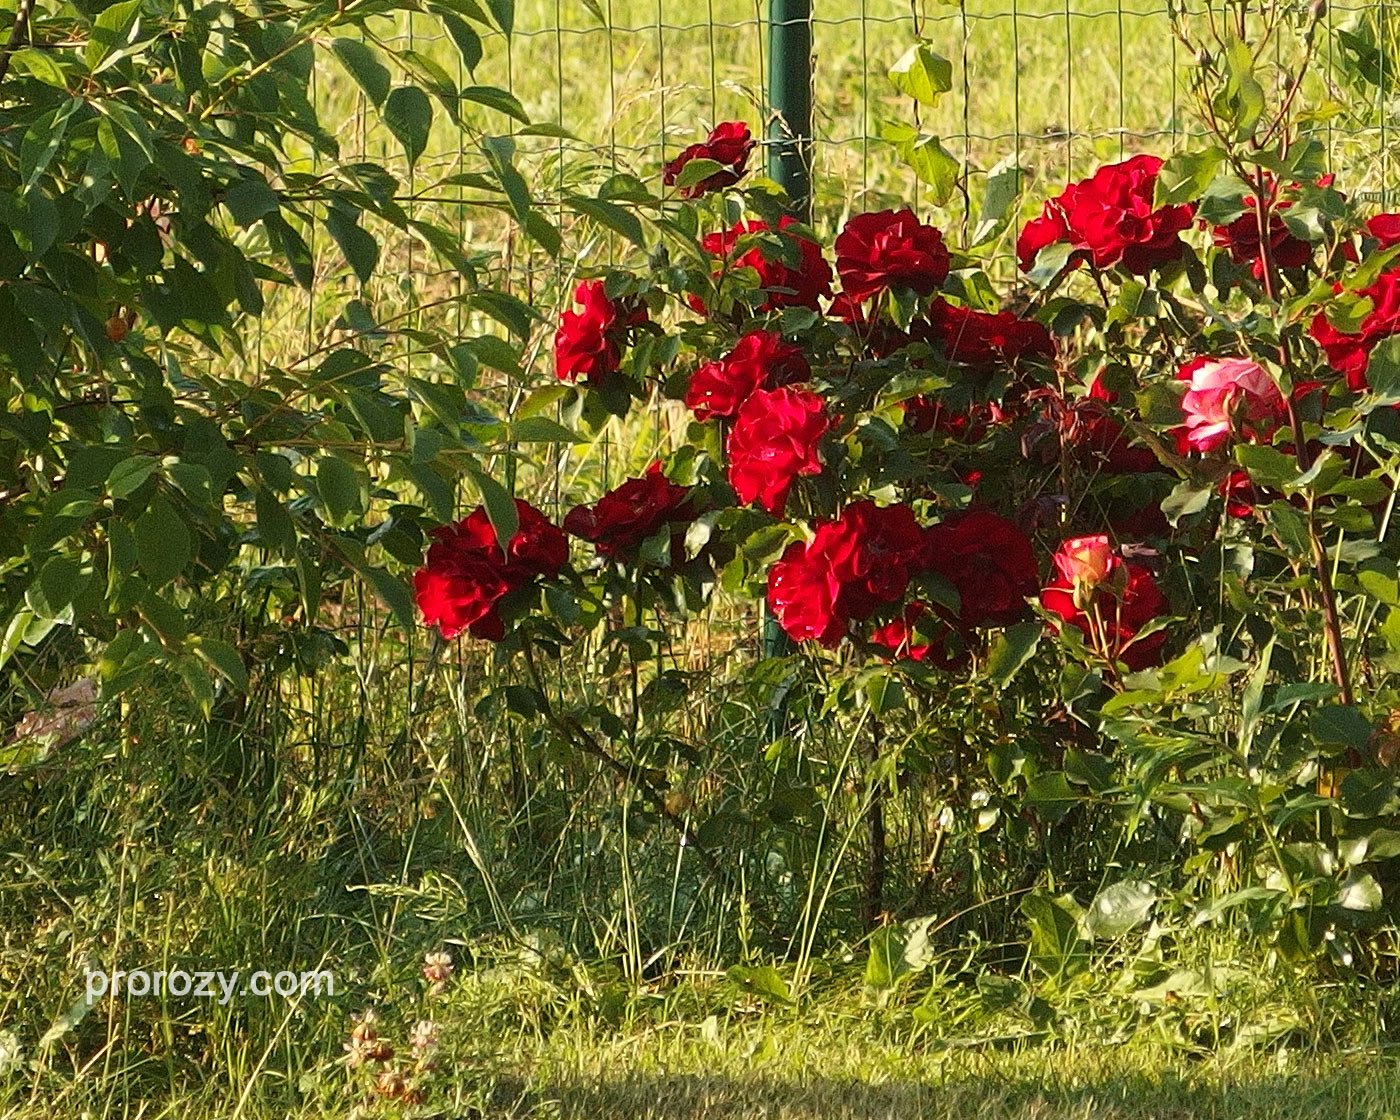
[467, 577]
[782, 409]
[864, 562]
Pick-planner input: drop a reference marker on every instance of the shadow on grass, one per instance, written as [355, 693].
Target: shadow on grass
[1359, 1092]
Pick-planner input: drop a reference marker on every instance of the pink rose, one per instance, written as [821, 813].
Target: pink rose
[1227, 395]
[1086, 561]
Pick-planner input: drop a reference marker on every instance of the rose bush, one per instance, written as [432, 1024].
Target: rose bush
[1140, 507]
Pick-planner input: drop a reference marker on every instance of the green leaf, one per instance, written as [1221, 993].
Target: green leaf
[250, 199]
[224, 660]
[897, 951]
[14, 634]
[763, 981]
[1266, 466]
[504, 12]
[276, 531]
[498, 99]
[338, 484]
[1119, 908]
[163, 544]
[1242, 99]
[43, 139]
[928, 159]
[540, 429]
[360, 248]
[1051, 793]
[922, 75]
[1340, 725]
[113, 28]
[696, 171]
[611, 215]
[1185, 176]
[364, 66]
[1003, 188]
[408, 114]
[1055, 945]
[1383, 374]
[500, 506]
[467, 40]
[52, 594]
[1011, 651]
[500, 153]
[128, 476]
[1186, 499]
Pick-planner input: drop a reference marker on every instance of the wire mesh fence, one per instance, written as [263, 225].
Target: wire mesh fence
[1060, 86]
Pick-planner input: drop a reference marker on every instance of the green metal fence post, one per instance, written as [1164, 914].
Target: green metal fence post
[790, 91]
[790, 165]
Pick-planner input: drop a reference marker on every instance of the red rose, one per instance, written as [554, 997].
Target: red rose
[730, 144]
[759, 360]
[1241, 237]
[1385, 228]
[803, 286]
[775, 439]
[1109, 219]
[1111, 608]
[929, 414]
[989, 561]
[877, 335]
[920, 635]
[888, 249]
[1349, 353]
[588, 343]
[625, 518]
[981, 339]
[1090, 429]
[466, 576]
[851, 567]
[1240, 494]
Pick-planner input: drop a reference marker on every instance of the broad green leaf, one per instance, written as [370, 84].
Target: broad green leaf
[128, 476]
[500, 506]
[163, 544]
[1055, 945]
[897, 951]
[928, 159]
[1003, 188]
[1340, 725]
[224, 659]
[1011, 650]
[696, 171]
[498, 99]
[51, 596]
[359, 246]
[250, 199]
[922, 75]
[1119, 908]
[14, 633]
[611, 215]
[112, 29]
[42, 141]
[465, 37]
[364, 66]
[338, 484]
[504, 12]
[1185, 176]
[408, 114]
[762, 980]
